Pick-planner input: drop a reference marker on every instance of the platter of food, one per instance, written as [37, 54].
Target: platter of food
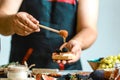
[63, 74]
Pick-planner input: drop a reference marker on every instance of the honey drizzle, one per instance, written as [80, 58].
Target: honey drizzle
[64, 39]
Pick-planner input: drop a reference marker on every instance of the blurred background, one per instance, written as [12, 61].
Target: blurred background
[107, 43]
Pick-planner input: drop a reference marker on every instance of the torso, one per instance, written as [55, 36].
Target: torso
[58, 15]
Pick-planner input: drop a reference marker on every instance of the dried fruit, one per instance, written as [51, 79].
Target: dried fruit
[65, 49]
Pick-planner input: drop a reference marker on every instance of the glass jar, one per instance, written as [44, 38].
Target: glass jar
[17, 72]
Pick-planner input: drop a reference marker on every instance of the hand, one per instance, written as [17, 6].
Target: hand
[75, 48]
[24, 24]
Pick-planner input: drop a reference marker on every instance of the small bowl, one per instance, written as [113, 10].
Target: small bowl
[94, 63]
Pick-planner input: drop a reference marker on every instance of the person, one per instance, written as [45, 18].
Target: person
[20, 18]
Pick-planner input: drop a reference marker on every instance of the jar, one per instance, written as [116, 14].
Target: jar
[17, 72]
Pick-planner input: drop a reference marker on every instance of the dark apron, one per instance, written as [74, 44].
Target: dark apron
[56, 14]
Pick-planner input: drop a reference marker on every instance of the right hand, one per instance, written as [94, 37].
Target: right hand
[24, 24]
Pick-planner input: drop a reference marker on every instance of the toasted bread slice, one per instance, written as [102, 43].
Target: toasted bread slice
[63, 56]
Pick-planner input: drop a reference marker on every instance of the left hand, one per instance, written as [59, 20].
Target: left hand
[75, 48]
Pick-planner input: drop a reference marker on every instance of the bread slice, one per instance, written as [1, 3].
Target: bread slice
[63, 56]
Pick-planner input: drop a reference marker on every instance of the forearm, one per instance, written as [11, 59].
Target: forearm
[5, 28]
[86, 37]
[7, 9]
[86, 23]
[10, 6]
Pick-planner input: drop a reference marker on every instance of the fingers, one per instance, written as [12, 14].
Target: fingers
[26, 33]
[62, 46]
[33, 23]
[62, 61]
[24, 27]
[74, 48]
[21, 32]
[24, 24]
[29, 22]
[76, 57]
[33, 19]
